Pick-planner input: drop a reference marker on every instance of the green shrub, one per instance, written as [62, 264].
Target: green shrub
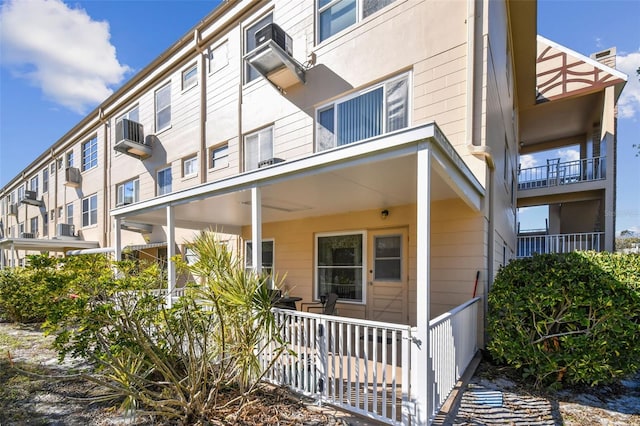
[27, 293]
[169, 362]
[567, 319]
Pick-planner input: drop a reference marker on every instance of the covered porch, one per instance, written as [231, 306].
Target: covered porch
[392, 224]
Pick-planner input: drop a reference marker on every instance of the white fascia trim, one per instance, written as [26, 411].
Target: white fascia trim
[580, 56]
[46, 244]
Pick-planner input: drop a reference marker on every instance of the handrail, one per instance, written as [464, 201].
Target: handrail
[556, 173]
[527, 245]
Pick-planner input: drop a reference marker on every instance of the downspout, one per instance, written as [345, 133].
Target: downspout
[106, 235]
[203, 106]
[54, 179]
[478, 150]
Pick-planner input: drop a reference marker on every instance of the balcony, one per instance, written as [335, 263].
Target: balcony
[530, 243]
[72, 177]
[31, 198]
[556, 173]
[130, 139]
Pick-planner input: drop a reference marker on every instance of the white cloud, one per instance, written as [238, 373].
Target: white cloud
[629, 102]
[527, 161]
[60, 50]
[567, 155]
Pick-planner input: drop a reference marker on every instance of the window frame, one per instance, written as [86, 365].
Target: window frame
[257, 133]
[156, 111]
[89, 154]
[159, 190]
[33, 226]
[188, 161]
[213, 159]
[359, 16]
[34, 185]
[399, 258]
[407, 76]
[69, 213]
[89, 212]
[69, 160]
[188, 81]
[215, 51]
[363, 267]
[248, 261]
[45, 180]
[249, 73]
[121, 189]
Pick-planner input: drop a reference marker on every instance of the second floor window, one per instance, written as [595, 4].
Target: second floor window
[45, 224]
[163, 107]
[377, 110]
[190, 166]
[69, 213]
[90, 210]
[20, 193]
[34, 226]
[128, 192]
[336, 15]
[258, 147]
[90, 154]
[70, 159]
[164, 181]
[220, 156]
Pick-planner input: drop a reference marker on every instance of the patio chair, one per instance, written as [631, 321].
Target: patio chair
[328, 307]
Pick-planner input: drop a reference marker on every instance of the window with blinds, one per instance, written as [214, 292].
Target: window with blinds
[371, 112]
[258, 146]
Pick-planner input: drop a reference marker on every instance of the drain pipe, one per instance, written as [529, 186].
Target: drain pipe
[475, 147]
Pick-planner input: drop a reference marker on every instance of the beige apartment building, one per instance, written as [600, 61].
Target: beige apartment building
[371, 146]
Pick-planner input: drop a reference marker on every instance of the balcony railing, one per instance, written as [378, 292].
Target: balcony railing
[559, 243]
[556, 173]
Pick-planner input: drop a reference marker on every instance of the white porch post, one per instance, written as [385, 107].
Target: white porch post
[421, 374]
[171, 251]
[117, 238]
[256, 229]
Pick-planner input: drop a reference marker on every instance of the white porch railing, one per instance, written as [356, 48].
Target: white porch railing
[364, 366]
[559, 243]
[556, 173]
[353, 364]
[453, 340]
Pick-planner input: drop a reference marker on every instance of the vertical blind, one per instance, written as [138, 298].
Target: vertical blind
[360, 118]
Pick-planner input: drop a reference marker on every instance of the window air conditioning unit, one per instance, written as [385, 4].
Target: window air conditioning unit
[129, 130]
[31, 197]
[72, 177]
[277, 34]
[13, 209]
[66, 230]
[269, 162]
[27, 235]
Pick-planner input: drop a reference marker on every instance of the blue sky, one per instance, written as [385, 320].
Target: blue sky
[46, 87]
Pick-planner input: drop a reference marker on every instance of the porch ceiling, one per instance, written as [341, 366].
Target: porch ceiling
[559, 119]
[380, 184]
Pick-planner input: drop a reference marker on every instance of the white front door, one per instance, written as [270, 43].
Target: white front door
[387, 276]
